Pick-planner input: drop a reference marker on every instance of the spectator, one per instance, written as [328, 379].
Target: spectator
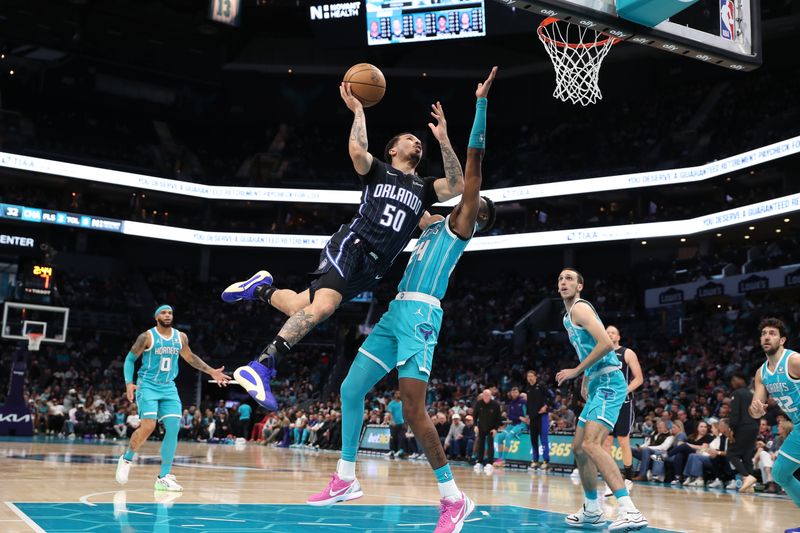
[454, 441]
[766, 453]
[657, 447]
[679, 454]
[245, 412]
[397, 431]
[487, 419]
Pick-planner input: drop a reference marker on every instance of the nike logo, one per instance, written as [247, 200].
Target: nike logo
[338, 492]
[457, 518]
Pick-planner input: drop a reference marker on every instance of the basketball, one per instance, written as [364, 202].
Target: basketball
[366, 83]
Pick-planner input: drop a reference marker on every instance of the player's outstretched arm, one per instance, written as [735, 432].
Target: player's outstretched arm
[194, 360]
[139, 346]
[453, 182]
[758, 407]
[462, 221]
[357, 145]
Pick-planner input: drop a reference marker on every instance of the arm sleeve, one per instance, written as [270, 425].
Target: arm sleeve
[128, 367]
[477, 138]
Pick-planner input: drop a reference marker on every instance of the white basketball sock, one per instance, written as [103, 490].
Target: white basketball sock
[346, 470]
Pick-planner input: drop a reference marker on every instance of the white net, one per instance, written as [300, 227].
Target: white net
[34, 340]
[577, 54]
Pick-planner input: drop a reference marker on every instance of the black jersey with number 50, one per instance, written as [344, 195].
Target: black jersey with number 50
[391, 207]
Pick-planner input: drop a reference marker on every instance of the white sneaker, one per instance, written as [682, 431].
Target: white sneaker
[478, 468]
[576, 473]
[389, 455]
[488, 469]
[716, 484]
[698, 482]
[585, 518]
[123, 469]
[688, 481]
[629, 485]
[167, 482]
[628, 521]
[731, 485]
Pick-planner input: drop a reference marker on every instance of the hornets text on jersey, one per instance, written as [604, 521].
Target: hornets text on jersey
[160, 361]
[391, 207]
[584, 343]
[433, 259]
[781, 386]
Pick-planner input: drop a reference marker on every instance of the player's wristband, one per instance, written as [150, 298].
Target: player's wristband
[128, 367]
[477, 138]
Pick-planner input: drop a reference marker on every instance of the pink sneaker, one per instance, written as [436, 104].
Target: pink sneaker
[453, 514]
[338, 490]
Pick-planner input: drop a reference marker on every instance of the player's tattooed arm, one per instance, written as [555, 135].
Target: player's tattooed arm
[297, 327]
[140, 344]
[453, 182]
[195, 360]
[357, 143]
[452, 169]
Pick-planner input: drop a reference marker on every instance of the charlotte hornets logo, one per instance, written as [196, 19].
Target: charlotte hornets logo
[425, 331]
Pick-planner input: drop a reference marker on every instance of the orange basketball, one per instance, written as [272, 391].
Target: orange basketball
[366, 83]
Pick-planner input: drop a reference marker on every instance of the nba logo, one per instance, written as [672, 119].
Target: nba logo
[727, 19]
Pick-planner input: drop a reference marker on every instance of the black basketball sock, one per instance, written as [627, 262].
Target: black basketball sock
[264, 293]
[627, 472]
[278, 347]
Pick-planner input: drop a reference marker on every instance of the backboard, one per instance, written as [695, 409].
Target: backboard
[19, 319]
[726, 33]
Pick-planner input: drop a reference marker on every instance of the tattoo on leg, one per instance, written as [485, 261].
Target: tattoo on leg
[427, 436]
[297, 327]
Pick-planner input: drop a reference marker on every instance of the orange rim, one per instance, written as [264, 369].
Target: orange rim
[551, 20]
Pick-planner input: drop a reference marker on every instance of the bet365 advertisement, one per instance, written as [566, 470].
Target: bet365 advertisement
[376, 438]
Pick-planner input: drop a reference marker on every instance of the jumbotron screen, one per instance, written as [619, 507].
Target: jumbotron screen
[408, 21]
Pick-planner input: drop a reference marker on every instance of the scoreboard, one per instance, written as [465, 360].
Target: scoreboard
[405, 21]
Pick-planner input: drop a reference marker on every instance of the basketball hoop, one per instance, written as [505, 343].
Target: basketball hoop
[577, 53]
[34, 340]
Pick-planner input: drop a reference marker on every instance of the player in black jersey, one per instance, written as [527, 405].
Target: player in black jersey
[393, 200]
[633, 375]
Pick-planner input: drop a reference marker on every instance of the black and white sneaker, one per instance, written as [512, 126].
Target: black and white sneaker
[628, 521]
[584, 518]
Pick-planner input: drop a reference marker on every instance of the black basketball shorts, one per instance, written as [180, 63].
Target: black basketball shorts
[348, 265]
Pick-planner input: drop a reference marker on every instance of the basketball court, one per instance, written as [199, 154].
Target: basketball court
[68, 487]
[59, 485]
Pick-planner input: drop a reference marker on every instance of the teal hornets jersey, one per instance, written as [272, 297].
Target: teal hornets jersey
[584, 343]
[783, 388]
[160, 361]
[433, 259]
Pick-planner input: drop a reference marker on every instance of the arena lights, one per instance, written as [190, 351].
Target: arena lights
[633, 232]
[510, 194]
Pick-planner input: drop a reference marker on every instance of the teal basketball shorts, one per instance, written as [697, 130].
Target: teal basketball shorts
[790, 449]
[607, 393]
[158, 400]
[405, 337]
